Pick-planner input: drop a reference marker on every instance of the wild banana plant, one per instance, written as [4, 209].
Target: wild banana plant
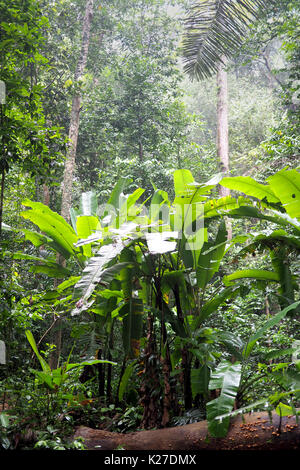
[277, 202]
[158, 263]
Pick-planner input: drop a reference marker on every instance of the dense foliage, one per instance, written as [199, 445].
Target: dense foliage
[144, 310]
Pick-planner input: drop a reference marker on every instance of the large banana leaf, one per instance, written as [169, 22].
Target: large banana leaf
[132, 313]
[188, 214]
[188, 191]
[45, 366]
[36, 238]
[87, 226]
[272, 240]
[276, 217]
[159, 201]
[117, 197]
[95, 272]
[133, 309]
[53, 225]
[217, 207]
[281, 265]
[257, 274]
[226, 377]
[286, 185]
[249, 186]
[208, 264]
[200, 380]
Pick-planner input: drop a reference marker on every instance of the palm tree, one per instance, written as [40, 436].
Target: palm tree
[214, 30]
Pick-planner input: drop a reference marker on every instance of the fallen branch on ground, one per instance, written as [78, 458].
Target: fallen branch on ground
[254, 431]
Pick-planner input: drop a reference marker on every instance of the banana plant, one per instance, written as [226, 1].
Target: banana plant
[278, 202]
[162, 262]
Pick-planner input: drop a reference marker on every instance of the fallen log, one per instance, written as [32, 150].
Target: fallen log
[255, 431]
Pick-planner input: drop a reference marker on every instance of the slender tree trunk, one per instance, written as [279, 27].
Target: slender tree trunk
[222, 130]
[109, 366]
[74, 120]
[46, 195]
[2, 198]
[186, 358]
[101, 376]
[67, 184]
[150, 389]
[222, 124]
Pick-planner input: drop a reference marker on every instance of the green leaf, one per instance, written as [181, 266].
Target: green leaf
[226, 377]
[94, 272]
[132, 313]
[217, 207]
[68, 283]
[116, 193]
[86, 226]
[269, 324]
[125, 379]
[183, 179]
[249, 186]
[286, 185]
[280, 262]
[200, 380]
[53, 225]
[36, 238]
[232, 342]
[284, 410]
[258, 274]
[214, 29]
[213, 304]
[45, 378]
[159, 199]
[88, 363]
[51, 270]
[208, 264]
[44, 365]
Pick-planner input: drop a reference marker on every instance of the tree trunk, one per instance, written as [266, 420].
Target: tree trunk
[74, 120]
[67, 184]
[222, 124]
[222, 130]
[2, 198]
[251, 432]
[186, 358]
[150, 390]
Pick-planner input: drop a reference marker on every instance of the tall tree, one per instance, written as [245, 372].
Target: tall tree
[213, 32]
[222, 123]
[67, 183]
[75, 113]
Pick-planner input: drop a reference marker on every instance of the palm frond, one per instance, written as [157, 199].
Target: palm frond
[214, 29]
